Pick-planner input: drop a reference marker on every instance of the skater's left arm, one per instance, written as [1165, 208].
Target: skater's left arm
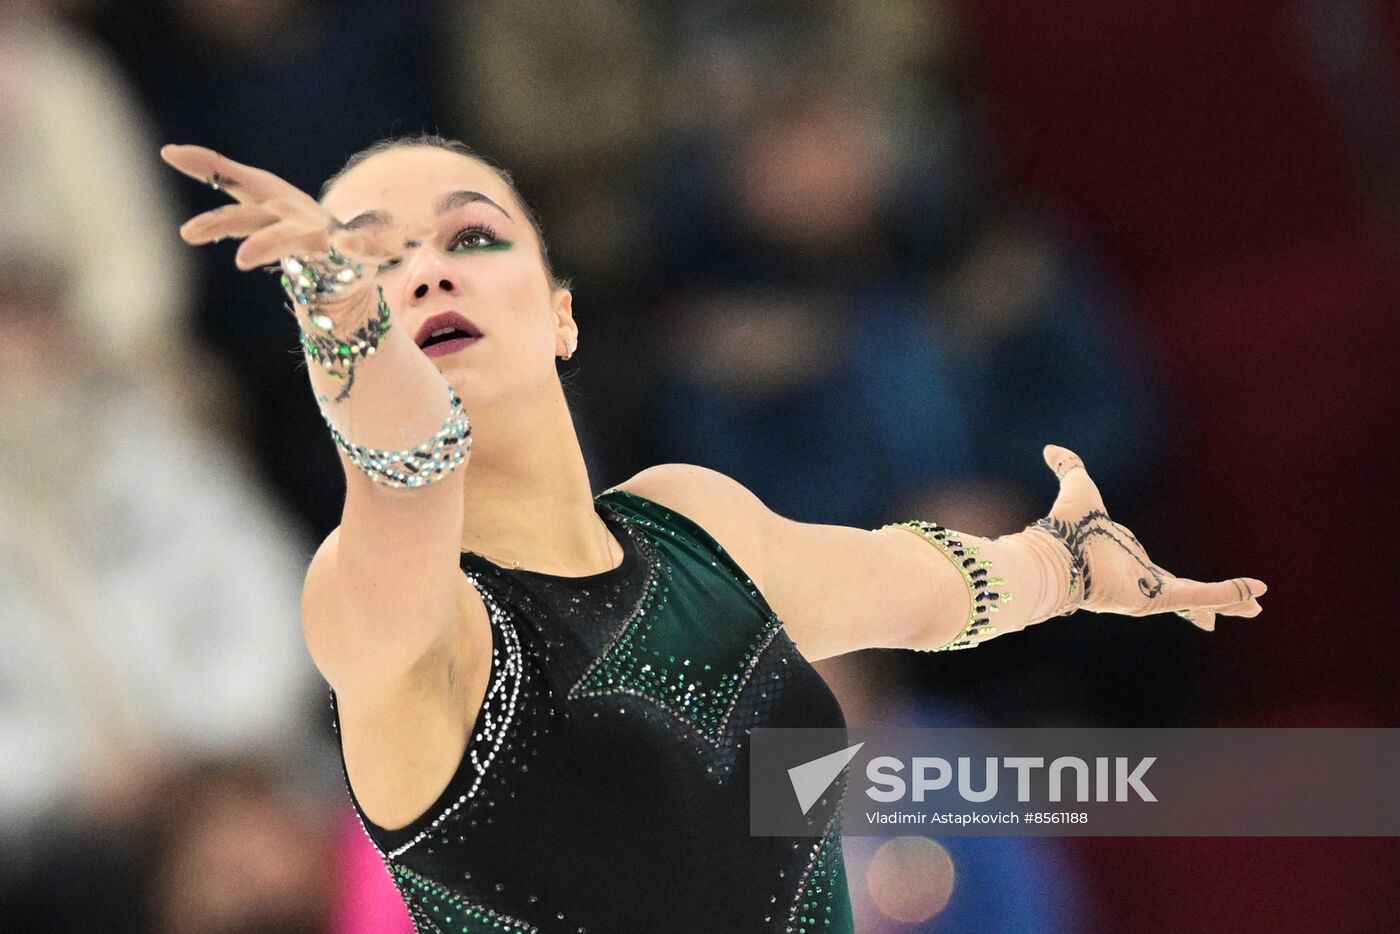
[916, 585]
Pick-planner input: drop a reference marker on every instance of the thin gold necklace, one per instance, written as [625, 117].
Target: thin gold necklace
[515, 564]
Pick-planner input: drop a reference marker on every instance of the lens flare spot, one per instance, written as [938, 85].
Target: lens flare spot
[911, 878]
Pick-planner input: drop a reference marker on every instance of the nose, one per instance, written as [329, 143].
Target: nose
[423, 289]
[429, 278]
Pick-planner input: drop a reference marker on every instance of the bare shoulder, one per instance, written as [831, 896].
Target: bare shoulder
[837, 588]
[692, 485]
[716, 502]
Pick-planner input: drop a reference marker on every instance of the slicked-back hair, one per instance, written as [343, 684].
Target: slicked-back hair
[434, 141]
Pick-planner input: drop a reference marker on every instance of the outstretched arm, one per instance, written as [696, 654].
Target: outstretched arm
[915, 585]
[383, 592]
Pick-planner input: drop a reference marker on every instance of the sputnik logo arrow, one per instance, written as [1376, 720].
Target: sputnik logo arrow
[810, 780]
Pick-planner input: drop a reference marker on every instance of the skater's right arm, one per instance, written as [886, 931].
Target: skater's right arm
[383, 594]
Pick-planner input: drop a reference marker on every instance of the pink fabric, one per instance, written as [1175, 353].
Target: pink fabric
[365, 900]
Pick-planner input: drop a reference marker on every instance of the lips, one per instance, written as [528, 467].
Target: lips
[446, 333]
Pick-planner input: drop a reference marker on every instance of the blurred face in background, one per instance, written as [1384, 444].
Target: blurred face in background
[237, 857]
[34, 321]
[465, 247]
[807, 176]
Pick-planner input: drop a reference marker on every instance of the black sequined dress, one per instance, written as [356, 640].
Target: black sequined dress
[605, 788]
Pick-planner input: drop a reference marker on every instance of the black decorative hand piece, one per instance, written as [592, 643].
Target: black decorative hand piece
[1111, 570]
[319, 261]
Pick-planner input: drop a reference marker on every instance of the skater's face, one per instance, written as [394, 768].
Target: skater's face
[465, 257]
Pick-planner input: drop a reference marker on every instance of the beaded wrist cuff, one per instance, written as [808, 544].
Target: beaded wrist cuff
[975, 574]
[414, 467]
[307, 281]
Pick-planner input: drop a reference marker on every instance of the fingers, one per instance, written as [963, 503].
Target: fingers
[1078, 493]
[276, 217]
[1203, 619]
[242, 182]
[281, 239]
[194, 161]
[1061, 459]
[231, 220]
[1248, 605]
[1184, 593]
[1200, 601]
[363, 246]
[301, 231]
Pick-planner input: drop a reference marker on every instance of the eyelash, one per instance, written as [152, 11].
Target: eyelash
[456, 243]
[481, 229]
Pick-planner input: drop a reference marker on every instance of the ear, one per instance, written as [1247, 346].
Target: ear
[563, 305]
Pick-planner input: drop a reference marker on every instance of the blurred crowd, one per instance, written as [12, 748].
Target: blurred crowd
[865, 256]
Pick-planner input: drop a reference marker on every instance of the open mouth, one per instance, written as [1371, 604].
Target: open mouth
[446, 333]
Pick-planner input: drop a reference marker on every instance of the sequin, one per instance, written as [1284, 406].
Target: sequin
[435, 908]
[604, 786]
[639, 661]
[432, 460]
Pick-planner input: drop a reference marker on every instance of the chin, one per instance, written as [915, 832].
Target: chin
[467, 381]
[473, 386]
[482, 385]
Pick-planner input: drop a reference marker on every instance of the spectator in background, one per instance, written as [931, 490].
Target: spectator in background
[229, 850]
[131, 643]
[816, 331]
[1033, 331]
[574, 97]
[77, 176]
[568, 95]
[781, 249]
[236, 76]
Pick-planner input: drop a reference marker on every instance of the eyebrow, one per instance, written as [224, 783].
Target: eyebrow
[448, 202]
[368, 219]
[458, 198]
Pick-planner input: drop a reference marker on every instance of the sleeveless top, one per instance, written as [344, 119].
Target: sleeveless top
[605, 786]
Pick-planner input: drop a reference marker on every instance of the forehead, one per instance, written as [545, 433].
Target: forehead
[408, 181]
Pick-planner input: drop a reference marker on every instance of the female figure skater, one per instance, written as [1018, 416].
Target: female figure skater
[543, 697]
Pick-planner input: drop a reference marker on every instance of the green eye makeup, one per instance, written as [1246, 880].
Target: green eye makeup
[474, 239]
[478, 237]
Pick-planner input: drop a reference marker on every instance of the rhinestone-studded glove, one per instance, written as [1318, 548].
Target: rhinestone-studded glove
[1110, 571]
[321, 261]
[315, 284]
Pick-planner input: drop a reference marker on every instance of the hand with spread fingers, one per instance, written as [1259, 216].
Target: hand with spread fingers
[276, 217]
[322, 261]
[1111, 571]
